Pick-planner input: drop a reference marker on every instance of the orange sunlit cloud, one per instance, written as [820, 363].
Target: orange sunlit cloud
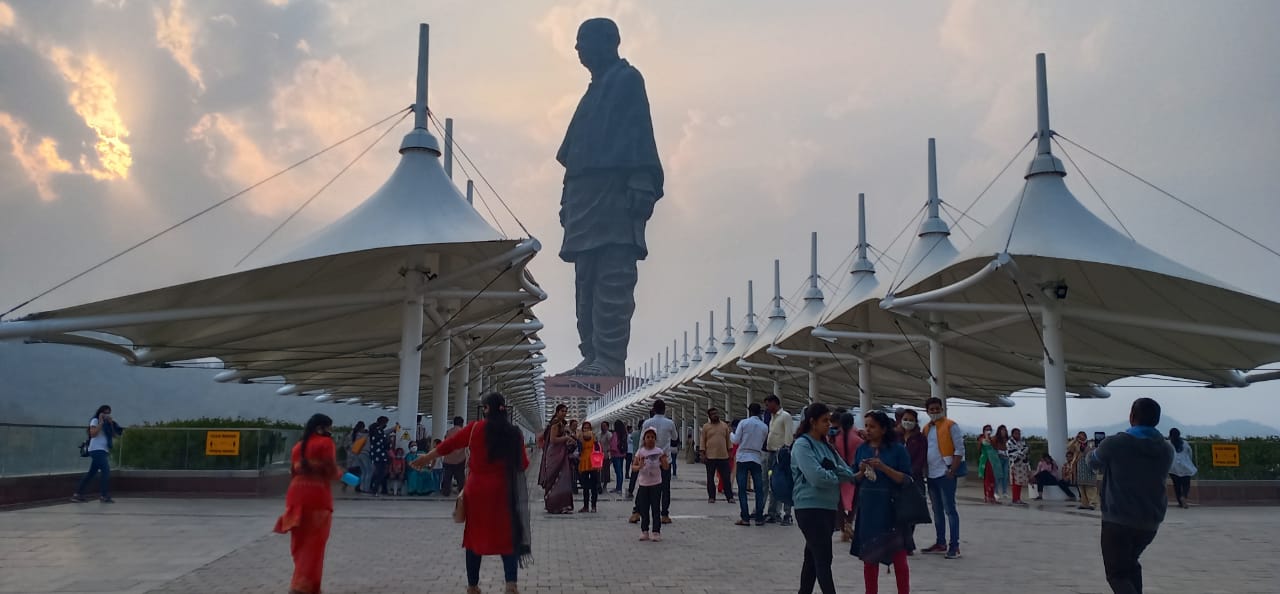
[93, 97]
[175, 34]
[39, 159]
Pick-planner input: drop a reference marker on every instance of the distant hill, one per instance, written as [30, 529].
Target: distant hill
[1232, 428]
[62, 385]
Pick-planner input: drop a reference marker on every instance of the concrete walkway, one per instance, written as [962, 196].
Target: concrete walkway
[391, 545]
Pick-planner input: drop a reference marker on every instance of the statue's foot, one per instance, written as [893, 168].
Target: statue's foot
[589, 368]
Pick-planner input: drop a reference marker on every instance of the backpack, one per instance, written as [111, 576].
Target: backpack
[780, 480]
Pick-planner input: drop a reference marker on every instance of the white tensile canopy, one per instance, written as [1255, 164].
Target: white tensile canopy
[1047, 295]
[341, 318]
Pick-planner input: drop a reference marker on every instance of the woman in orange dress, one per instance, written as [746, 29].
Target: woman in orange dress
[308, 506]
[495, 494]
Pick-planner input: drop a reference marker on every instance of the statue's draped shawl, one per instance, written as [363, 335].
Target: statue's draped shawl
[608, 152]
[612, 129]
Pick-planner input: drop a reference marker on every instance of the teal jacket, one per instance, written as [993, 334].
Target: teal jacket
[815, 486]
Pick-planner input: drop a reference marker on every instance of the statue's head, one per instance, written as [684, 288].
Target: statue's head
[598, 41]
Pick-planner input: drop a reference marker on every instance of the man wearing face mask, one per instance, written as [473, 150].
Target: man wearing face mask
[945, 456]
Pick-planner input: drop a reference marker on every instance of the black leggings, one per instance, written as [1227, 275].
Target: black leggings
[816, 525]
[649, 506]
[590, 487]
[1181, 487]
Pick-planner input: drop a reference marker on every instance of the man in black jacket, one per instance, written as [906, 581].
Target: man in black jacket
[1134, 465]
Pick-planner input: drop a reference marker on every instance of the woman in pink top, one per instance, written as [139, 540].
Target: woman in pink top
[648, 465]
[847, 442]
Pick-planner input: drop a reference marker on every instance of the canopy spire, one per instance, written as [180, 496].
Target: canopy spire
[1044, 161]
[420, 137]
[751, 309]
[861, 263]
[933, 223]
[814, 292]
[778, 312]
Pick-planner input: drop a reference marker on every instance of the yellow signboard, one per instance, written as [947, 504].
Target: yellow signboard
[1226, 454]
[222, 443]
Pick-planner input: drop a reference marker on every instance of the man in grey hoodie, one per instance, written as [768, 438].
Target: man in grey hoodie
[1134, 465]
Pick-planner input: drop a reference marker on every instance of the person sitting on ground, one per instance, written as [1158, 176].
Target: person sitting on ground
[395, 476]
[1047, 476]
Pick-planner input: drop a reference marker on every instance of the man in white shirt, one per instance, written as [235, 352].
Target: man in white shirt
[750, 435]
[667, 433]
[781, 434]
[946, 454]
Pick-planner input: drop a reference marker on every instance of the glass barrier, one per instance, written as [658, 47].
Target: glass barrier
[50, 449]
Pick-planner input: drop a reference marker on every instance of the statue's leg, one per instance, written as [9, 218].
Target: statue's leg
[584, 269]
[615, 302]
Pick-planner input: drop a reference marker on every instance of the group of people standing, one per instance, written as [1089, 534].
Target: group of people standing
[386, 466]
[493, 503]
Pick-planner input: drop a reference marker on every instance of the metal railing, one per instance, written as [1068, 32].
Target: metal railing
[27, 450]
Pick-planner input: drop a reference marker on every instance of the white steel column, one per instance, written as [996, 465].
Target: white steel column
[440, 390]
[865, 402]
[461, 389]
[1055, 382]
[410, 357]
[813, 382]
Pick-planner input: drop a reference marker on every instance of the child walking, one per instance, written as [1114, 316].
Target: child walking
[648, 464]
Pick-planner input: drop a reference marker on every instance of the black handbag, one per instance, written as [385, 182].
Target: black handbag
[909, 505]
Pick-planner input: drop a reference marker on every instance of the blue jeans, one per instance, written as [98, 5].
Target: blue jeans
[510, 565]
[757, 479]
[942, 494]
[100, 461]
[617, 473]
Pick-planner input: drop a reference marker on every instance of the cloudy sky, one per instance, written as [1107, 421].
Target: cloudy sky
[119, 117]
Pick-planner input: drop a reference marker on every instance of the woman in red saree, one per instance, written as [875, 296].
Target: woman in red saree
[495, 495]
[308, 505]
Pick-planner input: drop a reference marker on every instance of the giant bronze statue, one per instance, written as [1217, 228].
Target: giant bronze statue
[612, 179]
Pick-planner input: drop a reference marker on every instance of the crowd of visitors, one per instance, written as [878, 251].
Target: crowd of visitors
[383, 461]
[868, 485]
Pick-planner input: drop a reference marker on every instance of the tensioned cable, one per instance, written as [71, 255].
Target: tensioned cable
[928, 370]
[955, 224]
[486, 181]
[202, 212]
[444, 325]
[322, 188]
[963, 215]
[1170, 195]
[1034, 325]
[1095, 190]
[435, 123]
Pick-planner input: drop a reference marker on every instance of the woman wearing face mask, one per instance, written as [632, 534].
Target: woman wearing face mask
[918, 450]
[308, 505]
[987, 464]
[1019, 465]
[415, 482]
[883, 464]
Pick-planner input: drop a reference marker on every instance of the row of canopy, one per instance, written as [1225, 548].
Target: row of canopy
[1047, 295]
[411, 302]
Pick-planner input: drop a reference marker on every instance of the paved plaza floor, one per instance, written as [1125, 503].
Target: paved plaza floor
[390, 545]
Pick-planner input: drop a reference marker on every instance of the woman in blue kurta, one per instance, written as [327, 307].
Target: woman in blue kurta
[881, 466]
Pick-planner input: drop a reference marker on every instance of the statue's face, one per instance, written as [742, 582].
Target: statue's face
[595, 47]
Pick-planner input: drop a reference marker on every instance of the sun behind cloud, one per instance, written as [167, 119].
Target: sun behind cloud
[93, 97]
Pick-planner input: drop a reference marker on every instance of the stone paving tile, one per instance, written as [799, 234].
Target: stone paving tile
[396, 545]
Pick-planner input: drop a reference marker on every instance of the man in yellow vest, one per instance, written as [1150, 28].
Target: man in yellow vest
[945, 461]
